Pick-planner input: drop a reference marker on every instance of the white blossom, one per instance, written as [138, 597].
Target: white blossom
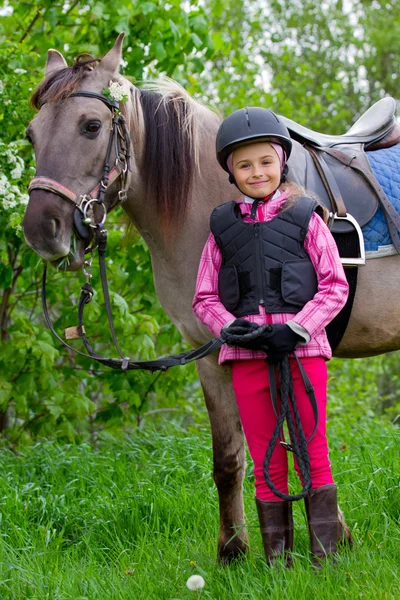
[15, 161]
[18, 168]
[21, 71]
[9, 203]
[1, 86]
[195, 582]
[117, 91]
[23, 199]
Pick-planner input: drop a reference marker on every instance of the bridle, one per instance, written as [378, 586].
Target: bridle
[84, 218]
[120, 139]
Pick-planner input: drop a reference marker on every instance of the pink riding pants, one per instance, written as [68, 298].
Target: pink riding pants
[251, 385]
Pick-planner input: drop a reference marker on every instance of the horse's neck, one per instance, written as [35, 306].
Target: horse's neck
[180, 251]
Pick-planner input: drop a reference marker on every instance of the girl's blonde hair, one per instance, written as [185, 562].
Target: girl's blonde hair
[296, 191]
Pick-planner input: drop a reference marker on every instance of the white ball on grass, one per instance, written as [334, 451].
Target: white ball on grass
[195, 582]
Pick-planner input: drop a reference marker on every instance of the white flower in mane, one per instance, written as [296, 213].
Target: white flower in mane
[118, 91]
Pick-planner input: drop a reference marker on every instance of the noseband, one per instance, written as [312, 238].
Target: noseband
[119, 138]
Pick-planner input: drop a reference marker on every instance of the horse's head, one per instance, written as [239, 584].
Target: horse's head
[71, 135]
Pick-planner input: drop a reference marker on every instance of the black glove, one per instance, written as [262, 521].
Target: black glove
[279, 341]
[235, 332]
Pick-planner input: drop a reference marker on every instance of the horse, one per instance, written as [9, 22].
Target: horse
[173, 184]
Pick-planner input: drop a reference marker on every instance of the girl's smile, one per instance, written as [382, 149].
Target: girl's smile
[256, 169]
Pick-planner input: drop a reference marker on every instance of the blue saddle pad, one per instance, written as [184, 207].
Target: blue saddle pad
[385, 165]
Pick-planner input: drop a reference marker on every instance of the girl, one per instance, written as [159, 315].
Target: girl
[270, 259]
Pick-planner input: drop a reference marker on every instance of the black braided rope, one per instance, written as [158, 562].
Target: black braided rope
[298, 439]
[158, 364]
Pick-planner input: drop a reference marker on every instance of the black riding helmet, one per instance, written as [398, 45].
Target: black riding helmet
[246, 125]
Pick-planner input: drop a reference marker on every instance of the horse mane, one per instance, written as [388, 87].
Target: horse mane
[171, 152]
[60, 84]
[171, 120]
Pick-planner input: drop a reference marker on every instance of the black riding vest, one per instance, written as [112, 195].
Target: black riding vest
[264, 263]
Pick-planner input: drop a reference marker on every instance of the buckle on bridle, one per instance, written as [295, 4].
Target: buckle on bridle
[122, 196]
[121, 159]
[85, 205]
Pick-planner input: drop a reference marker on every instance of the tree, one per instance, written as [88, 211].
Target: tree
[303, 60]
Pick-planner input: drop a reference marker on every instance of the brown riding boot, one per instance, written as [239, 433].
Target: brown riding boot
[276, 525]
[323, 523]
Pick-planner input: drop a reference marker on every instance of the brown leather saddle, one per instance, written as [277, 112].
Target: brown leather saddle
[336, 168]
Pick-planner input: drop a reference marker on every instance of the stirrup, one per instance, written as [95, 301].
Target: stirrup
[350, 262]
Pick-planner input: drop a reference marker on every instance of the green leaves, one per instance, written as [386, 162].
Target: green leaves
[303, 60]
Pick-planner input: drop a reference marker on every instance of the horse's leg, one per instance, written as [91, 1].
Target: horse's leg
[229, 456]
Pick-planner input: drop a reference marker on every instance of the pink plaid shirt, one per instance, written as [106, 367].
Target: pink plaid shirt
[313, 317]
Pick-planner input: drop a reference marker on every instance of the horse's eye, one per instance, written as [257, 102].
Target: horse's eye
[93, 127]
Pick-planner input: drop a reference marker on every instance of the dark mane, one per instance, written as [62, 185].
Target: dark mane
[63, 82]
[169, 155]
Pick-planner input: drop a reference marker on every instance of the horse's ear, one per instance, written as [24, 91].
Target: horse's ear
[55, 61]
[112, 60]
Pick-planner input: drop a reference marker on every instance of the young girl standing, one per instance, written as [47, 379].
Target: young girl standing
[270, 259]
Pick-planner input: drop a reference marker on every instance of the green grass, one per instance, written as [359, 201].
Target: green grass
[135, 518]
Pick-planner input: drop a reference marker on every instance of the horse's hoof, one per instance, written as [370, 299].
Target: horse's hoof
[232, 550]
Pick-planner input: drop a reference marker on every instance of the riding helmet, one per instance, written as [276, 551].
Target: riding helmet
[246, 125]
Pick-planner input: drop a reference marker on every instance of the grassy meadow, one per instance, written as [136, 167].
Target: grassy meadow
[133, 517]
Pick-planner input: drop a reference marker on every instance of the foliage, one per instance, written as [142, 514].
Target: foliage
[321, 63]
[301, 59]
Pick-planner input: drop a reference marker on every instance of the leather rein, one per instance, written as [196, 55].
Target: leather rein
[84, 218]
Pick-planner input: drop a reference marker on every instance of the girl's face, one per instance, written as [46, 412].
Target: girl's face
[256, 169]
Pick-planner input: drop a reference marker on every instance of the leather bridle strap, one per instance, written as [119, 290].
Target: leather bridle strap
[289, 412]
[50, 185]
[109, 175]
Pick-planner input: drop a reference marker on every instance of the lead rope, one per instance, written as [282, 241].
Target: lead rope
[159, 364]
[298, 442]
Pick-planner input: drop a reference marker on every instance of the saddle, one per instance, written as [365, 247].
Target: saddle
[337, 169]
[376, 128]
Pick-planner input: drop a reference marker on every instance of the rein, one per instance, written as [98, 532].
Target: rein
[289, 412]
